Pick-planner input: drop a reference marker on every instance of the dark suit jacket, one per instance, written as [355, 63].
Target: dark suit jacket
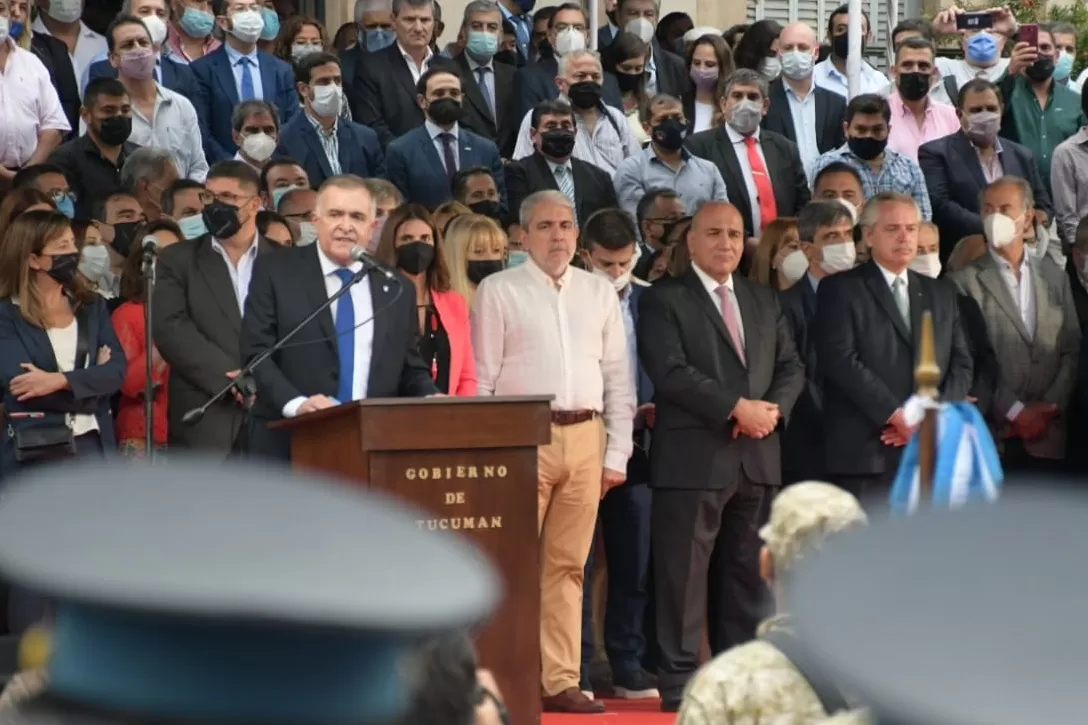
[803, 439]
[536, 82]
[383, 95]
[791, 190]
[638, 466]
[350, 60]
[91, 386]
[955, 181]
[605, 37]
[477, 114]
[698, 378]
[414, 166]
[175, 76]
[196, 327]
[287, 287]
[593, 188]
[830, 111]
[360, 150]
[983, 356]
[216, 96]
[53, 54]
[867, 357]
[672, 72]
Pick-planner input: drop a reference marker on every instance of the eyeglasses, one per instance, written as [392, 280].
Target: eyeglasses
[228, 198]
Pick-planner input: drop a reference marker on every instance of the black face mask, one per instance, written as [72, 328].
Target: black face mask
[444, 111]
[867, 149]
[557, 143]
[840, 46]
[479, 269]
[221, 220]
[628, 82]
[115, 130]
[914, 86]
[1040, 70]
[123, 234]
[670, 134]
[486, 208]
[415, 257]
[584, 95]
[509, 57]
[64, 269]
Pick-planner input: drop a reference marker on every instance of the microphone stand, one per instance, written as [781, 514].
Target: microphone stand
[149, 383]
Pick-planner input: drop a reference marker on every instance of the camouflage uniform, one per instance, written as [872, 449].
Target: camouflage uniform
[754, 683]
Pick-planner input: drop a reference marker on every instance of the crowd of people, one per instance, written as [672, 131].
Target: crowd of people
[713, 257]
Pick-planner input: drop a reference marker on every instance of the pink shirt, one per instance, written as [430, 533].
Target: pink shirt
[28, 105]
[173, 42]
[904, 136]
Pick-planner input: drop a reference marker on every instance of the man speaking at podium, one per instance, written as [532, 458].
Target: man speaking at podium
[363, 346]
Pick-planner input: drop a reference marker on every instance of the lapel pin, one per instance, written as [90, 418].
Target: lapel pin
[385, 288]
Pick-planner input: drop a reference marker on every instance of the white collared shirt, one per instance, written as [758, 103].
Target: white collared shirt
[417, 72]
[242, 273]
[435, 132]
[65, 344]
[825, 75]
[89, 45]
[890, 278]
[803, 113]
[711, 286]
[172, 127]
[1022, 293]
[238, 69]
[28, 105]
[740, 148]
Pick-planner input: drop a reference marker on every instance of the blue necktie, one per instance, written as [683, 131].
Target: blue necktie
[345, 340]
[248, 92]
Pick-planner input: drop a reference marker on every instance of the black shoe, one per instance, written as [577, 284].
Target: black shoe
[634, 685]
[670, 706]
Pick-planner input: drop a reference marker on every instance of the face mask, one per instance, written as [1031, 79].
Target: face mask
[156, 28]
[247, 26]
[64, 269]
[138, 64]
[444, 111]
[301, 50]
[221, 219]
[982, 128]
[259, 147]
[557, 143]
[839, 257]
[307, 234]
[585, 94]
[618, 283]
[94, 262]
[867, 149]
[490, 209]
[569, 41]
[482, 46]
[913, 86]
[526, 5]
[415, 257]
[65, 11]
[1064, 67]
[375, 40]
[519, 257]
[770, 68]
[850, 208]
[328, 100]
[123, 234]
[981, 49]
[115, 130]
[14, 29]
[271, 24]
[1041, 70]
[670, 134]
[746, 117]
[1000, 230]
[192, 227]
[704, 78]
[840, 46]
[1042, 243]
[641, 27]
[479, 270]
[509, 57]
[793, 266]
[797, 65]
[927, 264]
[628, 82]
[197, 23]
[66, 205]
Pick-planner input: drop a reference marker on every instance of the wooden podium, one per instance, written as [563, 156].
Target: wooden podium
[471, 463]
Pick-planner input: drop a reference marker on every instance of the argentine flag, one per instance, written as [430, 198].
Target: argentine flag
[967, 466]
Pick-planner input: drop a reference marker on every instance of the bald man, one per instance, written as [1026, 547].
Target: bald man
[800, 110]
[722, 353]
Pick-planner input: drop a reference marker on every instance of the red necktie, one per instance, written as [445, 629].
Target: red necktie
[768, 210]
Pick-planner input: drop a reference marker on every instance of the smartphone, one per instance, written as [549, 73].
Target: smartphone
[974, 21]
[1029, 33]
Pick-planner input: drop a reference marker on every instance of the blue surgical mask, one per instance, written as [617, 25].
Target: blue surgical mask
[517, 258]
[193, 226]
[271, 24]
[981, 48]
[378, 39]
[1064, 67]
[197, 23]
[481, 45]
[16, 30]
[278, 194]
[66, 204]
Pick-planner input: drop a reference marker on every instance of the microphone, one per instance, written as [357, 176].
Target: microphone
[361, 255]
[150, 244]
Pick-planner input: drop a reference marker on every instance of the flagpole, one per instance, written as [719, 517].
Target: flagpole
[927, 377]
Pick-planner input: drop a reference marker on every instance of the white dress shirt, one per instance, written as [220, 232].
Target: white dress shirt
[242, 273]
[1022, 293]
[237, 67]
[65, 343]
[609, 143]
[711, 286]
[803, 112]
[704, 116]
[535, 336]
[417, 72]
[89, 45]
[435, 131]
[363, 305]
[740, 148]
[826, 76]
[28, 105]
[172, 127]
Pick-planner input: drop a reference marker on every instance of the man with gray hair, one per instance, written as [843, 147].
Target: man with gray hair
[488, 86]
[146, 175]
[546, 328]
[255, 126]
[762, 167]
[373, 32]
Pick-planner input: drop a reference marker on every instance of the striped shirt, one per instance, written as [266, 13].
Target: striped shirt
[898, 174]
[330, 142]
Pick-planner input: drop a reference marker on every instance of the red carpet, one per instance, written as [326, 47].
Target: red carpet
[620, 712]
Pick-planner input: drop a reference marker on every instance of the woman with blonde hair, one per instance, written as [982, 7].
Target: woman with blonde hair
[445, 213]
[475, 247]
[775, 263]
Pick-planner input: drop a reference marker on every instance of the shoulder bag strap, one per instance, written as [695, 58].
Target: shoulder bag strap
[828, 692]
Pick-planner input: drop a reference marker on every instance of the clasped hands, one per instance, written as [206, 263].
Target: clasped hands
[1033, 421]
[36, 383]
[754, 418]
[897, 433]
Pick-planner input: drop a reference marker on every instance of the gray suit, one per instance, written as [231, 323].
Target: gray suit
[1030, 369]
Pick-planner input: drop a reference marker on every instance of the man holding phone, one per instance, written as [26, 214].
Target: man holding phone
[983, 35]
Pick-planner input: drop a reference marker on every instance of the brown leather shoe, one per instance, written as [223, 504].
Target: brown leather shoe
[572, 700]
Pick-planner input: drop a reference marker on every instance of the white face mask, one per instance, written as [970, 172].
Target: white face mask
[259, 147]
[301, 50]
[94, 262]
[307, 234]
[927, 264]
[850, 208]
[65, 11]
[797, 64]
[746, 116]
[793, 266]
[641, 27]
[247, 25]
[1000, 230]
[839, 257]
[619, 283]
[770, 68]
[5, 29]
[569, 41]
[156, 28]
[328, 100]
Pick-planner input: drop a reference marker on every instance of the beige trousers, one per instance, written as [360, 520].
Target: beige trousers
[568, 492]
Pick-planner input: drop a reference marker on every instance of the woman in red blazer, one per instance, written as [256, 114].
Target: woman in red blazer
[410, 241]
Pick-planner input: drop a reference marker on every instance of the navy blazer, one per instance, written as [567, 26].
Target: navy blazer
[644, 389]
[216, 95]
[360, 150]
[175, 76]
[91, 387]
[416, 169]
